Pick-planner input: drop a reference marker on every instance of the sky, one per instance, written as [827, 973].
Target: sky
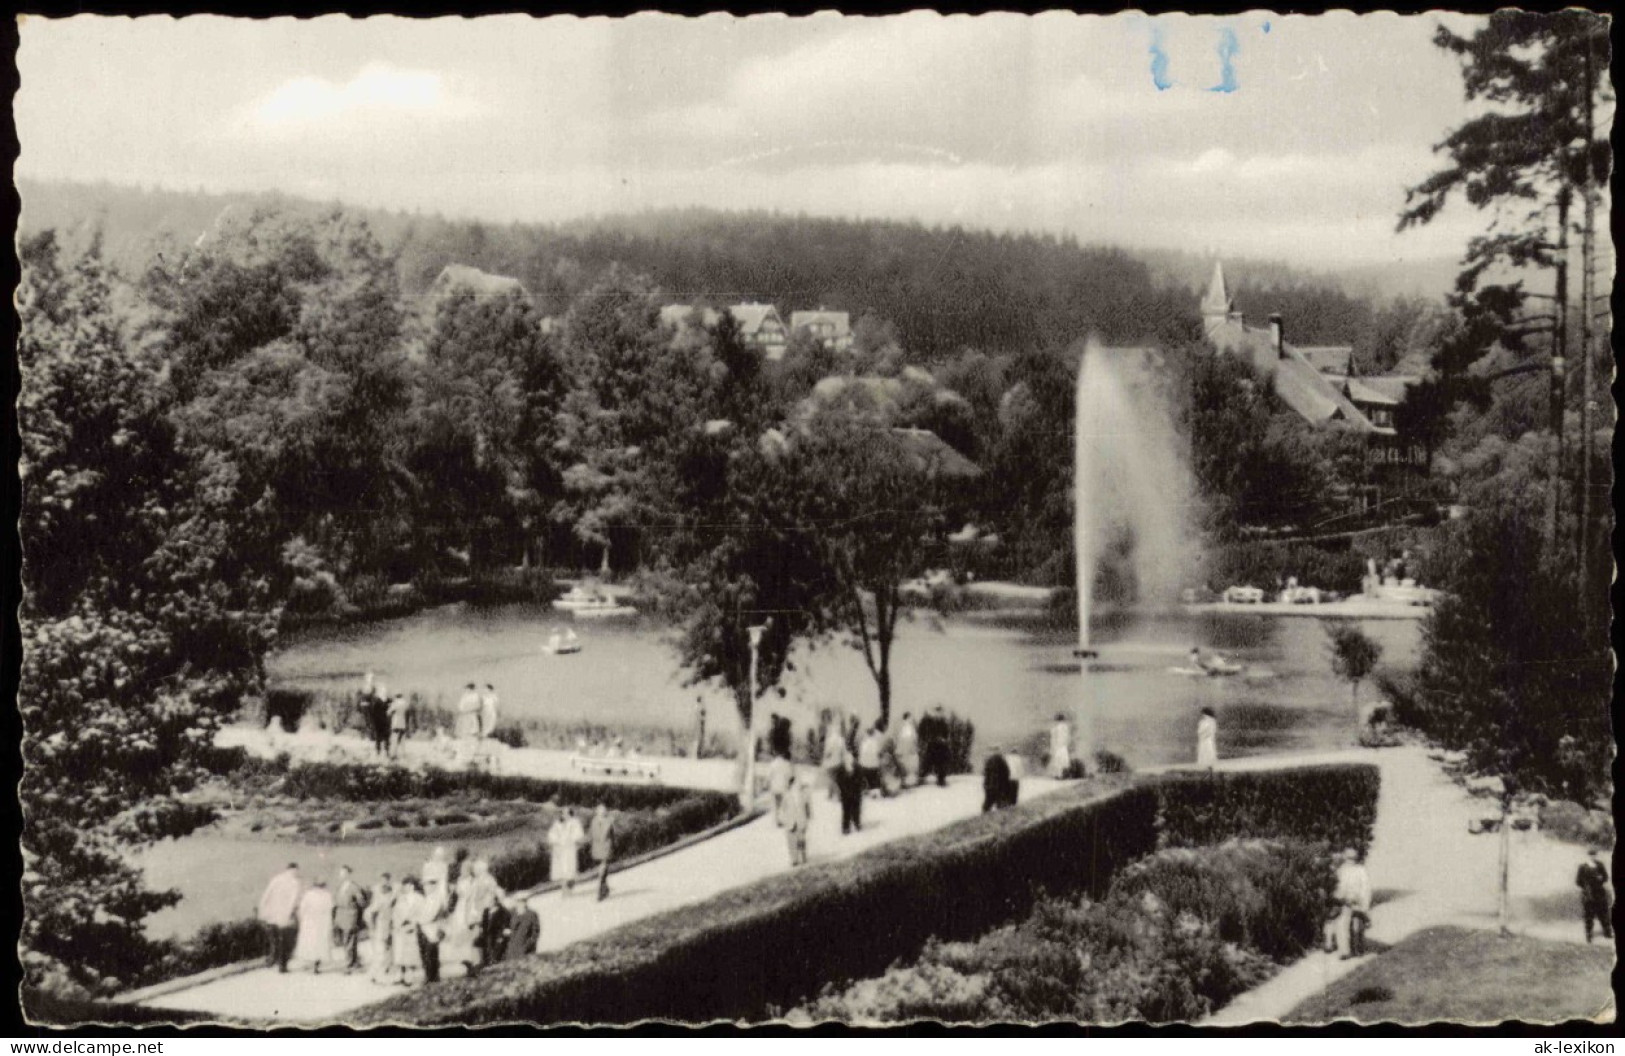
[1258, 135]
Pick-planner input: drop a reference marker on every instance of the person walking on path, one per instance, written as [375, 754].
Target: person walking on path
[397, 724]
[934, 745]
[524, 929]
[1353, 897]
[797, 817]
[849, 785]
[1060, 747]
[602, 835]
[484, 899]
[780, 772]
[834, 754]
[908, 750]
[999, 790]
[432, 915]
[380, 917]
[349, 902]
[488, 712]
[1595, 907]
[1207, 739]
[436, 874]
[315, 941]
[406, 950]
[869, 749]
[564, 838]
[278, 909]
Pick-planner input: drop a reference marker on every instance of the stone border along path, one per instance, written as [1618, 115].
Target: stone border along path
[1425, 867]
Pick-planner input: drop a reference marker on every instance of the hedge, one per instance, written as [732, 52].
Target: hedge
[363, 782]
[774, 943]
[1331, 804]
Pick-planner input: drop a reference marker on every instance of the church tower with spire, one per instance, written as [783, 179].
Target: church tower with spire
[1216, 303]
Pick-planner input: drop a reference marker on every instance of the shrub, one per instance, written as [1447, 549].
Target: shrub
[727, 957]
[1333, 805]
[287, 706]
[1178, 934]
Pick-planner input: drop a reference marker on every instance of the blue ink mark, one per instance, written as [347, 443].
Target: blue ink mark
[1159, 61]
[1228, 46]
[1266, 28]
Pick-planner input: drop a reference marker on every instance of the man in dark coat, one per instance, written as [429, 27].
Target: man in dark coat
[349, 902]
[998, 788]
[1592, 880]
[849, 785]
[934, 745]
[524, 929]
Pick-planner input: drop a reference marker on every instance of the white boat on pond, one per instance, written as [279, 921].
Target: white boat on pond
[591, 603]
[563, 643]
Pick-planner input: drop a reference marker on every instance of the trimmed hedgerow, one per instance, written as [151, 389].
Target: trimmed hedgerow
[773, 943]
[1330, 804]
[364, 782]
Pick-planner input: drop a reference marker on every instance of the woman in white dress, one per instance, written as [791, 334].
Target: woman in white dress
[408, 918]
[1060, 747]
[1207, 739]
[564, 842]
[314, 943]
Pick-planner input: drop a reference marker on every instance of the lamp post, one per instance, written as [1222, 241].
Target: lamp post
[747, 796]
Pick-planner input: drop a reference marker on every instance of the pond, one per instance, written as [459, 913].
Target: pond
[1008, 672]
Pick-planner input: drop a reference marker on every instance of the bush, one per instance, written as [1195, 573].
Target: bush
[1332, 805]
[287, 706]
[1179, 933]
[363, 782]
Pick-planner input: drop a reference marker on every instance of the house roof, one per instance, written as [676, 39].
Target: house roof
[840, 322]
[1299, 385]
[1387, 389]
[1216, 302]
[750, 317]
[481, 282]
[1328, 359]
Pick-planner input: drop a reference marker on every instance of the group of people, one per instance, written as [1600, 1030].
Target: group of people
[453, 911]
[565, 838]
[387, 716]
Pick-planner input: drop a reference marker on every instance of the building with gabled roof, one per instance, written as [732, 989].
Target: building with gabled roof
[760, 325]
[833, 329]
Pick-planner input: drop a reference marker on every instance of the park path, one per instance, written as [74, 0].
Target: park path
[1426, 870]
[739, 856]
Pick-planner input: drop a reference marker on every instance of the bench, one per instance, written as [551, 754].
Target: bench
[602, 767]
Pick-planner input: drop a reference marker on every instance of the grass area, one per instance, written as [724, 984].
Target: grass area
[1456, 974]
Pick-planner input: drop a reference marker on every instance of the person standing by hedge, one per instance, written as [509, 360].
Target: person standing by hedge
[349, 901]
[1207, 739]
[1592, 880]
[1060, 747]
[1353, 896]
[849, 785]
[398, 709]
[524, 929]
[278, 909]
[381, 928]
[797, 815]
[934, 744]
[908, 750]
[999, 789]
[564, 838]
[869, 760]
[488, 712]
[406, 949]
[834, 752]
[315, 941]
[780, 772]
[602, 834]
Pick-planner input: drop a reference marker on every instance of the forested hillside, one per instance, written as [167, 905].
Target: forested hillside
[942, 289]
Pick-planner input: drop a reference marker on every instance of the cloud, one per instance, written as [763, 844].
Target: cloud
[377, 91]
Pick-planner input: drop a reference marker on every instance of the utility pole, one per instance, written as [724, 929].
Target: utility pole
[1587, 280]
[1560, 336]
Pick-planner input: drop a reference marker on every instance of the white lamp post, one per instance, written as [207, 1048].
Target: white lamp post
[747, 796]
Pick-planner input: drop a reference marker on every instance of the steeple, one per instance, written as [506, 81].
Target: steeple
[1216, 302]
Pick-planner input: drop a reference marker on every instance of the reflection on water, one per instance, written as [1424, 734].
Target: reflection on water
[1009, 673]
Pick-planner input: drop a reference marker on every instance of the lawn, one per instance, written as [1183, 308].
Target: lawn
[1454, 974]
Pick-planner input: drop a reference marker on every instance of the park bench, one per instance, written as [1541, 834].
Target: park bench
[599, 766]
